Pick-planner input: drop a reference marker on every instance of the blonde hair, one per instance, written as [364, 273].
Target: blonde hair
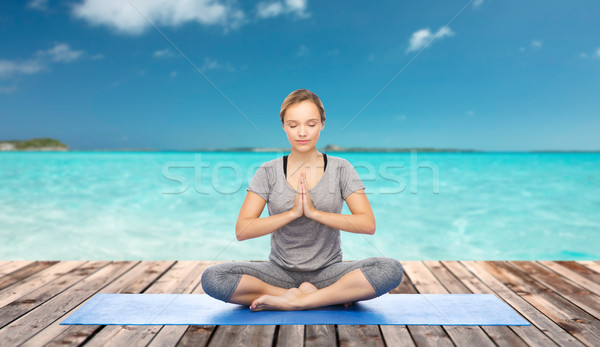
[300, 95]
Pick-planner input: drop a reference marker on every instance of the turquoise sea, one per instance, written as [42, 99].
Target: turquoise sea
[183, 205]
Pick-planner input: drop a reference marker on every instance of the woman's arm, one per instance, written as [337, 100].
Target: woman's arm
[361, 221]
[249, 224]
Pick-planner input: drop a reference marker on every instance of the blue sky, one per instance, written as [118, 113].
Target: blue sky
[107, 74]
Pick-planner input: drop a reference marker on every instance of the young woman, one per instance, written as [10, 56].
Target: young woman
[305, 268]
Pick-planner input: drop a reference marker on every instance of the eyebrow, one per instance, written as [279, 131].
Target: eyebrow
[295, 121]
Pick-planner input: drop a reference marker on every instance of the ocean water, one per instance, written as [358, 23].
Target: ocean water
[184, 205]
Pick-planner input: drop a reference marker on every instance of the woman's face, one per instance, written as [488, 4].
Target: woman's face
[302, 121]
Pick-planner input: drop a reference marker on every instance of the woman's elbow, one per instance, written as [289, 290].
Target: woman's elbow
[238, 236]
[239, 232]
[371, 228]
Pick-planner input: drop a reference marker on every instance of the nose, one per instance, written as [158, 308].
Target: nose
[303, 130]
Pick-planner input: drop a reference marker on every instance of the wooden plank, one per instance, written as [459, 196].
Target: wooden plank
[422, 335]
[563, 286]
[426, 283]
[594, 266]
[396, 335]
[290, 336]
[359, 335]
[320, 335]
[135, 280]
[13, 277]
[196, 335]
[17, 290]
[500, 335]
[243, 335]
[526, 309]
[586, 279]
[12, 266]
[577, 322]
[33, 299]
[181, 278]
[25, 327]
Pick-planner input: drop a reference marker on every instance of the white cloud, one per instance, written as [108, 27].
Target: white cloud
[302, 51]
[6, 90]
[124, 15]
[61, 52]
[276, 8]
[10, 68]
[163, 53]
[420, 38]
[210, 64]
[173, 74]
[266, 10]
[214, 64]
[536, 43]
[40, 5]
[476, 3]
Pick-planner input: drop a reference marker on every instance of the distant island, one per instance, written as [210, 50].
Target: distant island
[336, 148]
[48, 144]
[38, 144]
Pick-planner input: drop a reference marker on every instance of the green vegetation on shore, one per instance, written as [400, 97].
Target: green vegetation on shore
[37, 144]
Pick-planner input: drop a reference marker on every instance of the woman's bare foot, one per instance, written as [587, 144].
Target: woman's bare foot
[285, 302]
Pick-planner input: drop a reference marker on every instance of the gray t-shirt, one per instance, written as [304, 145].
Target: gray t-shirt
[305, 244]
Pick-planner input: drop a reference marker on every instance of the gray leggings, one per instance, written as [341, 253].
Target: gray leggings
[221, 280]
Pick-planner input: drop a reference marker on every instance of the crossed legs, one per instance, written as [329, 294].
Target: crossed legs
[266, 286]
[260, 296]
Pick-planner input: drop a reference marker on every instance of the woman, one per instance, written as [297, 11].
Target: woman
[305, 268]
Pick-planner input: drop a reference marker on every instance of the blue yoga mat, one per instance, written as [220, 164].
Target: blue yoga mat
[388, 309]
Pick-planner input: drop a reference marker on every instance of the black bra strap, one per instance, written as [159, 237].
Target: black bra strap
[285, 157]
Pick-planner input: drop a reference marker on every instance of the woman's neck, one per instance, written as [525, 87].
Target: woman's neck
[310, 157]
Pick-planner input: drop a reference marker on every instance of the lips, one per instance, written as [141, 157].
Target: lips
[302, 142]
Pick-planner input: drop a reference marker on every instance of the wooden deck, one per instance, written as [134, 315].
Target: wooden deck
[561, 300]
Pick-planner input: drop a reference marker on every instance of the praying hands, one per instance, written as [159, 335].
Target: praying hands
[302, 203]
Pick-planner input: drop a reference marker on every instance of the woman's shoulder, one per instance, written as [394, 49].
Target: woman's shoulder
[337, 161]
[270, 168]
[272, 162]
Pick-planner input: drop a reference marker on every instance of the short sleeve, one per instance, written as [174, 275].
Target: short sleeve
[350, 180]
[260, 182]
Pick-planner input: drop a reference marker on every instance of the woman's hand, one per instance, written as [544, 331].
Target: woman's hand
[307, 205]
[297, 209]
